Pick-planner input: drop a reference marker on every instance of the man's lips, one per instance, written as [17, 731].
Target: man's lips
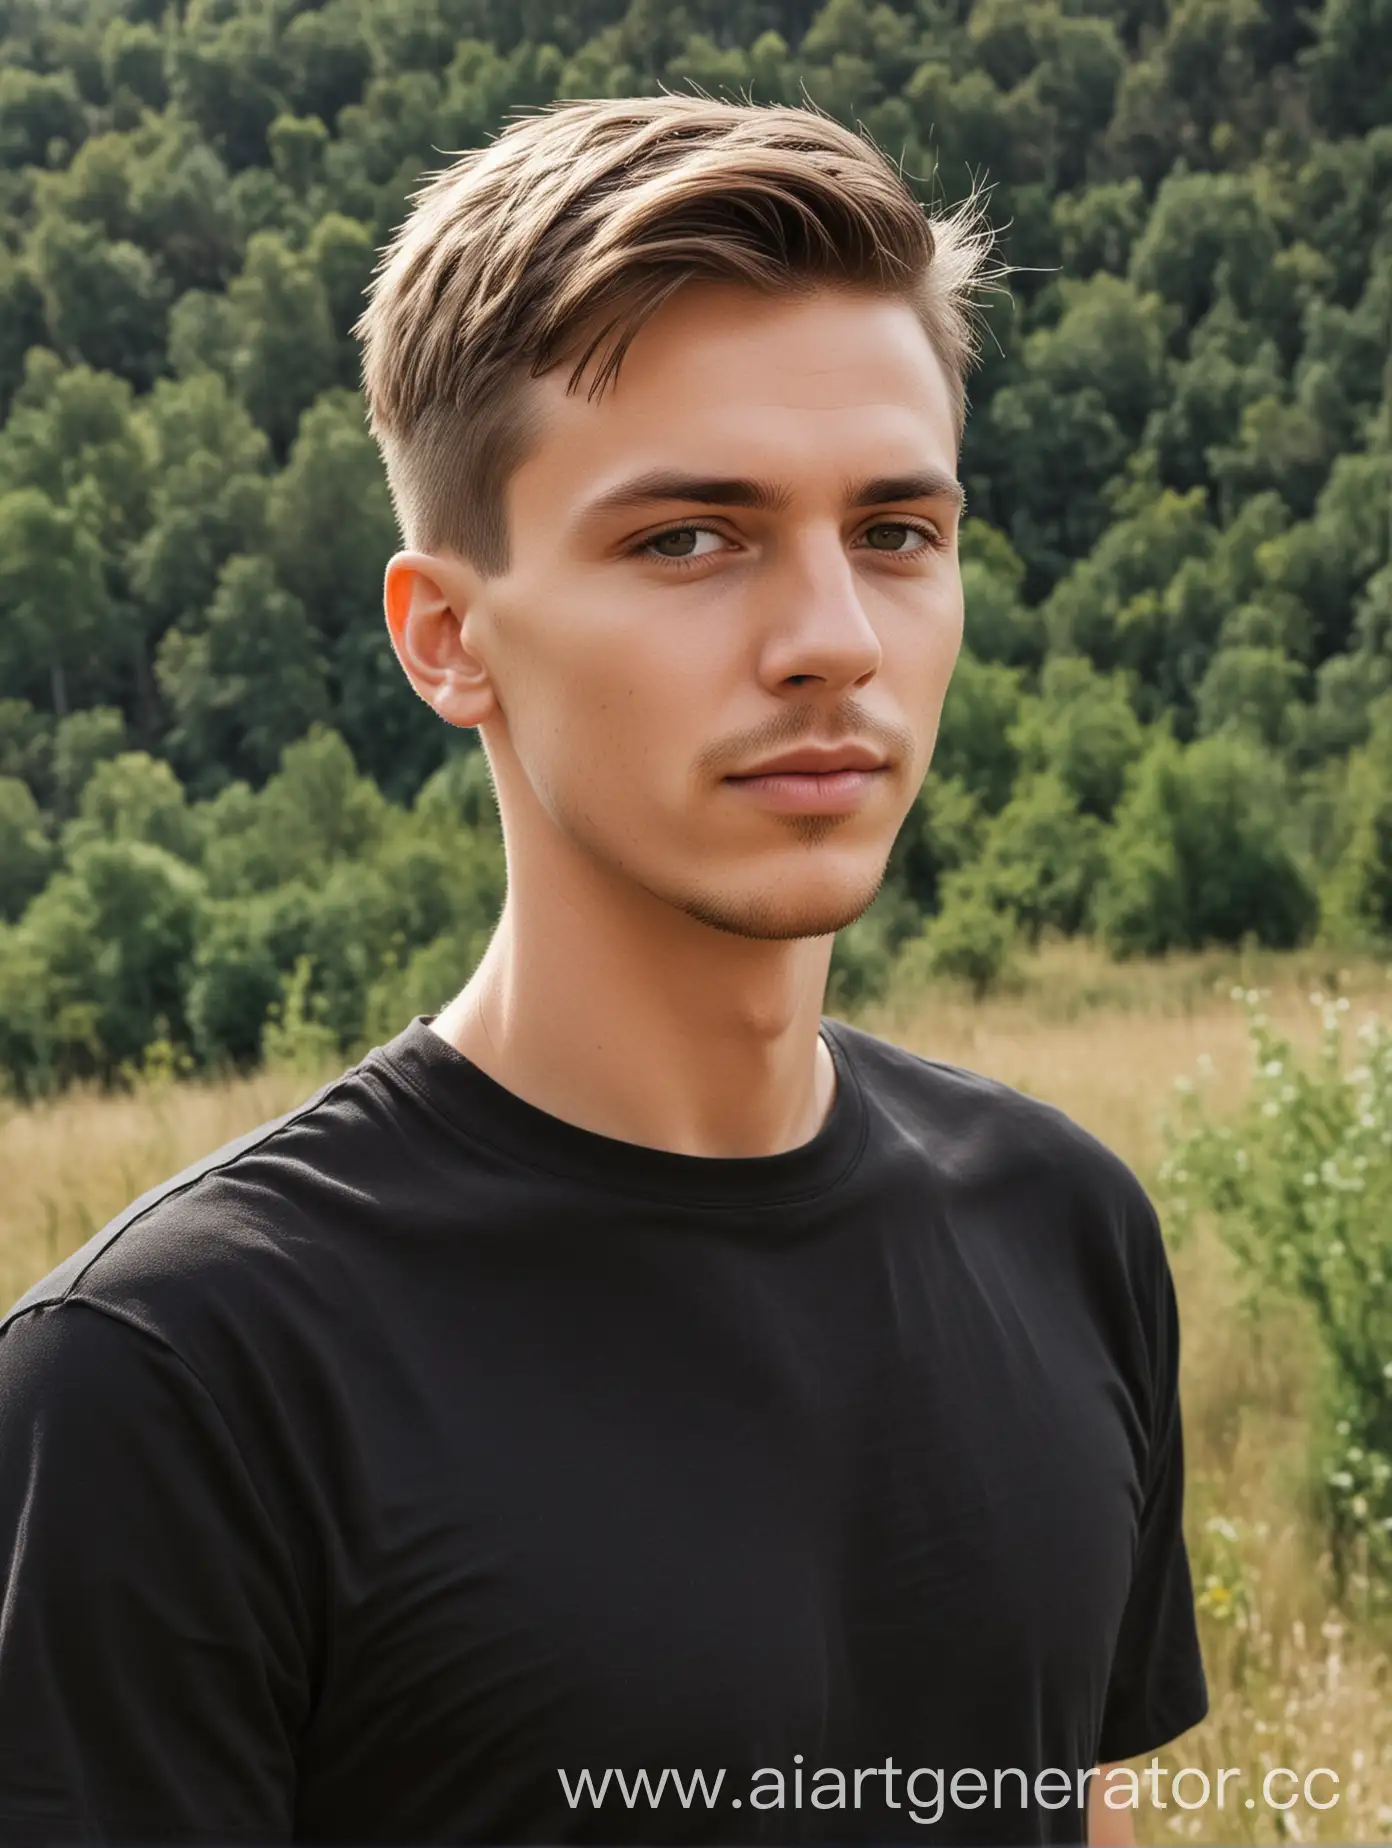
[818, 760]
[811, 792]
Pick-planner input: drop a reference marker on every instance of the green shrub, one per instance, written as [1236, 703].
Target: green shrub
[1299, 1180]
[1083, 726]
[1040, 860]
[421, 981]
[1200, 853]
[111, 941]
[234, 983]
[862, 958]
[942, 830]
[26, 853]
[970, 941]
[297, 1038]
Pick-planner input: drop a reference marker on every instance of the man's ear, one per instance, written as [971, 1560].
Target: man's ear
[428, 602]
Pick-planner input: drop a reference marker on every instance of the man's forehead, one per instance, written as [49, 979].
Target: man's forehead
[712, 346]
[825, 391]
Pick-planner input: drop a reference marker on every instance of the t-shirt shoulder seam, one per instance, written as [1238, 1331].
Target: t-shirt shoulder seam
[115, 1313]
[174, 1187]
[74, 1298]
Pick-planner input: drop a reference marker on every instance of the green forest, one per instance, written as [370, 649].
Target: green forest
[223, 812]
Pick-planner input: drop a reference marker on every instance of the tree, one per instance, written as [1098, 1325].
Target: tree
[81, 742]
[1208, 235]
[233, 982]
[105, 302]
[330, 523]
[1108, 337]
[73, 426]
[37, 110]
[1357, 897]
[326, 59]
[26, 853]
[54, 607]
[314, 811]
[1199, 854]
[209, 503]
[940, 832]
[248, 684]
[1049, 453]
[1350, 66]
[1039, 860]
[1250, 690]
[132, 60]
[227, 79]
[973, 743]
[1084, 728]
[1133, 604]
[1098, 225]
[285, 353]
[111, 938]
[133, 797]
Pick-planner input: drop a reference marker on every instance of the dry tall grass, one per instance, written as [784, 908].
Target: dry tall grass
[1294, 1684]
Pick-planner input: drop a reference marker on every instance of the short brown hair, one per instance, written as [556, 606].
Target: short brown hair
[561, 237]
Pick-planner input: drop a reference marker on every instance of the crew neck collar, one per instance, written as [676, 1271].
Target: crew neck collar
[481, 1108]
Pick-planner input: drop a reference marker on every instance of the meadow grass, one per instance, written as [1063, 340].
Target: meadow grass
[1294, 1680]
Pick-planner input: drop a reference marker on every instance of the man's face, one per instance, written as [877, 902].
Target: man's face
[745, 546]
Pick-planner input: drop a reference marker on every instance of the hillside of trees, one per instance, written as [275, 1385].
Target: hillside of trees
[1172, 723]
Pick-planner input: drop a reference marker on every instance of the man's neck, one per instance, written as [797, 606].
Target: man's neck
[693, 1041]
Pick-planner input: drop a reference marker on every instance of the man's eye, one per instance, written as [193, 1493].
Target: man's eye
[895, 536]
[683, 542]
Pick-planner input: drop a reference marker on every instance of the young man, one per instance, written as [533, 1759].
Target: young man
[628, 1371]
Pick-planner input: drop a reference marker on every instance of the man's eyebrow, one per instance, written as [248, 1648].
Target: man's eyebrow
[922, 484]
[674, 485]
[659, 485]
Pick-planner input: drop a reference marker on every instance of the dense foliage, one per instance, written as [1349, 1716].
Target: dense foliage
[1173, 723]
[1299, 1183]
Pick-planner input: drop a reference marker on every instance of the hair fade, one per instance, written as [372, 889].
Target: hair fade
[562, 236]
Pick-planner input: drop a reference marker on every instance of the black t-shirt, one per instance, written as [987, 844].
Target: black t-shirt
[419, 1453]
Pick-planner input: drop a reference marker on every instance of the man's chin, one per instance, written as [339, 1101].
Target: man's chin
[778, 917]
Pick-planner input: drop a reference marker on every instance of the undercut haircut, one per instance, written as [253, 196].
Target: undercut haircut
[559, 239]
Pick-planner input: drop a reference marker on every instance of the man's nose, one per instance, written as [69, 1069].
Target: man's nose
[819, 626]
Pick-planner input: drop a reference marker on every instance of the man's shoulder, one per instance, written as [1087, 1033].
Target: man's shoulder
[983, 1128]
[212, 1224]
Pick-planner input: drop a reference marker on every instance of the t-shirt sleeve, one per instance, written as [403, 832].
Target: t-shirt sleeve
[153, 1671]
[1157, 1688]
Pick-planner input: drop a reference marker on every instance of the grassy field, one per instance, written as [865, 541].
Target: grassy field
[1295, 1682]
